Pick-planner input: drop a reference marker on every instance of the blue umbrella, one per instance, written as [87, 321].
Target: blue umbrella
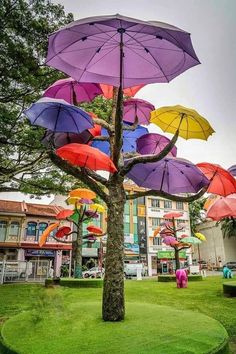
[58, 116]
[129, 140]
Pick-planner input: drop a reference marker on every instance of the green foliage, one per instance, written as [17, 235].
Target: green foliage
[101, 106]
[228, 227]
[195, 209]
[170, 278]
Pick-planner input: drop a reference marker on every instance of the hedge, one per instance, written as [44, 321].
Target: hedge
[75, 283]
[229, 289]
[168, 278]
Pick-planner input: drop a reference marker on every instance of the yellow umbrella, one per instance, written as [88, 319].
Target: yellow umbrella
[200, 236]
[73, 201]
[97, 207]
[82, 193]
[190, 124]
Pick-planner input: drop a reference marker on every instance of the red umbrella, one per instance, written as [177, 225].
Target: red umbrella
[66, 213]
[130, 91]
[86, 156]
[221, 181]
[222, 208]
[63, 231]
[95, 230]
[96, 130]
[172, 215]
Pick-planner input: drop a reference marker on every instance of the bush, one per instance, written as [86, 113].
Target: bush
[168, 278]
[81, 283]
[51, 282]
[229, 288]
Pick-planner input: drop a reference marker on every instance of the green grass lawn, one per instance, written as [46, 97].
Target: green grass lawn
[49, 306]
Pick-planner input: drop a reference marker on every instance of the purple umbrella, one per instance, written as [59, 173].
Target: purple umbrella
[171, 175]
[72, 91]
[135, 107]
[153, 143]
[232, 170]
[119, 50]
[58, 116]
[170, 240]
[91, 213]
[85, 201]
[61, 139]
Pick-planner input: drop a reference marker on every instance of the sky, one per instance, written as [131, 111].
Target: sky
[210, 87]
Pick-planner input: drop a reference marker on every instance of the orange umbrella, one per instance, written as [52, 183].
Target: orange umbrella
[66, 213]
[47, 232]
[86, 156]
[221, 181]
[130, 91]
[82, 193]
[210, 200]
[96, 130]
[63, 231]
[222, 208]
[95, 230]
[157, 231]
[172, 215]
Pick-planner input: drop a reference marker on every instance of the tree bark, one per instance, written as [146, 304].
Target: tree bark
[177, 262]
[113, 291]
[77, 252]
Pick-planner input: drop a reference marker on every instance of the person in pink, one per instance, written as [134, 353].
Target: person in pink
[181, 278]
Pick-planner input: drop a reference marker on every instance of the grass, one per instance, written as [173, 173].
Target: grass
[53, 311]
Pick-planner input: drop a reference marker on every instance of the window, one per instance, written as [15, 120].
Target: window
[3, 230]
[135, 207]
[42, 227]
[155, 222]
[31, 228]
[14, 228]
[155, 203]
[141, 200]
[156, 241]
[167, 204]
[180, 205]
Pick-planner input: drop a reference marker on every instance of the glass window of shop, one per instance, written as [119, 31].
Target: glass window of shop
[155, 222]
[167, 204]
[42, 227]
[3, 230]
[14, 228]
[31, 228]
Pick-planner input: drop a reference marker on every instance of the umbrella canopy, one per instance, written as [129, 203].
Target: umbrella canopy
[107, 90]
[86, 156]
[223, 207]
[63, 231]
[47, 232]
[210, 200]
[232, 170]
[153, 143]
[94, 50]
[95, 230]
[60, 139]
[221, 181]
[66, 213]
[73, 201]
[58, 116]
[136, 107]
[192, 240]
[190, 124]
[85, 201]
[91, 214]
[171, 175]
[129, 140]
[170, 240]
[157, 231]
[200, 236]
[82, 193]
[97, 207]
[172, 215]
[72, 91]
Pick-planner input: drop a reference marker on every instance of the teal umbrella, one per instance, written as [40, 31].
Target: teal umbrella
[192, 240]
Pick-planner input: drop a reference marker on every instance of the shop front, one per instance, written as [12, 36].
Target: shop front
[165, 261]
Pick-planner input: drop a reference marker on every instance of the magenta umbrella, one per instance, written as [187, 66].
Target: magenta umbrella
[153, 143]
[72, 91]
[121, 51]
[170, 240]
[136, 107]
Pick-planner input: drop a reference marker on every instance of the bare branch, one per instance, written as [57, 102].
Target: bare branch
[101, 138]
[60, 240]
[131, 127]
[103, 123]
[95, 176]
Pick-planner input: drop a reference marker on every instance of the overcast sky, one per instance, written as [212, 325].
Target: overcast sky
[210, 87]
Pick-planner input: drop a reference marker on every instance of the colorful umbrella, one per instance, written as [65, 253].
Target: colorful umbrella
[137, 108]
[72, 91]
[223, 207]
[97, 207]
[63, 231]
[58, 116]
[157, 231]
[170, 175]
[82, 193]
[85, 201]
[190, 124]
[60, 139]
[73, 201]
[109, 49]
[172, 215]
[192, 240]
[91, 214]
[129, 91]
[221, 181]
[66, 213]
[47, 232]
[232, 170]
[170, 240]
[200, 236]
[95, 230]
[153, 143]
[129, 140]
[86, 156]
[210, 200]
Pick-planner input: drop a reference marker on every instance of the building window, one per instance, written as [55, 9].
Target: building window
[14, 228]
[155, 222]
[180, 205]
[167, 204]
[3, 230]
[155, 203]
[141, 200]
[156, 241]
[42, 227]
[31, 229]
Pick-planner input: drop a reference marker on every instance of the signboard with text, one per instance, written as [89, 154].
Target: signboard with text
[170, 254]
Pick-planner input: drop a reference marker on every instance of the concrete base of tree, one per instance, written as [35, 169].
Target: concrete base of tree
[229, 289]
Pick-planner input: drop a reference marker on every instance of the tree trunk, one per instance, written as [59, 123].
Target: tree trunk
[113, 291]
[77, 252]
[177, 262]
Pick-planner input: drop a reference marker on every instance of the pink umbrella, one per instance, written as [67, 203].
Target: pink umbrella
[223, 207]
[135, 107]
[170, 240]
[72, 91]
[153, 143]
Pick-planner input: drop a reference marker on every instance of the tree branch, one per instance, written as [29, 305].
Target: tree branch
[150, 158]
[131, 127]
[101, 138]
[60, 240]
[95, 176]
[103, 123]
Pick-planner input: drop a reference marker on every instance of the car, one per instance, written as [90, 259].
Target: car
[130, 269]
[94, 272]
[230, 265]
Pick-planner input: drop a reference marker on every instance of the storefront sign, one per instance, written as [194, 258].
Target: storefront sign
[39, 253]
[170, 254]
[89, 252]
[131, 249]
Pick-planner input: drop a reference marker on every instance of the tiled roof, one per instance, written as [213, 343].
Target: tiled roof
[7, 206]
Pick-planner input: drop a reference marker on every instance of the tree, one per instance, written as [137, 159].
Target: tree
[195, 213]
[24, 28]
[228, 227]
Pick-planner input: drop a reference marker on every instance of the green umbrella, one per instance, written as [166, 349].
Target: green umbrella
[193, 240]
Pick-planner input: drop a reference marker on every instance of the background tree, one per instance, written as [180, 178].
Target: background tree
[196, 213]
[228, 227]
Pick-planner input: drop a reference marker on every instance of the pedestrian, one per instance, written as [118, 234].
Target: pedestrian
[51, 272]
